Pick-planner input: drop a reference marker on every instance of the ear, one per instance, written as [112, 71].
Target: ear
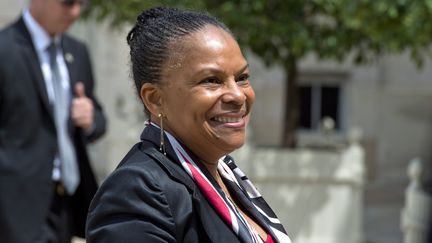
[151, 96]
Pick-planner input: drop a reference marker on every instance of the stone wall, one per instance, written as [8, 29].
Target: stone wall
[317, 194]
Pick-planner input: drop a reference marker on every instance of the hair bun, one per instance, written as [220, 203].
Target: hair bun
[144, 17]
[154, 13]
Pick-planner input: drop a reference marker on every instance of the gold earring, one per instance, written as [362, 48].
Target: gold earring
[162, 140]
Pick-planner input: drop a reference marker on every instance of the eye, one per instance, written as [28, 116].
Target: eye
[243, 78]
[210, 80]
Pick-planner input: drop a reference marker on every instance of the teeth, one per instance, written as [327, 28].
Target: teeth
[226, 119]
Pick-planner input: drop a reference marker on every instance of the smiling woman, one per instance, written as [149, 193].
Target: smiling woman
[179, 184]
[216, 96]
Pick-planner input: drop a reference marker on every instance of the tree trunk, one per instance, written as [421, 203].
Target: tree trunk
[291, 112]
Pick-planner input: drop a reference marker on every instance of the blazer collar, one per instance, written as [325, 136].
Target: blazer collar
[152, 134]
[212, 222]
[29, 54]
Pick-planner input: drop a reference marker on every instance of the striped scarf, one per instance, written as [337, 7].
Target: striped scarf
[244, 191]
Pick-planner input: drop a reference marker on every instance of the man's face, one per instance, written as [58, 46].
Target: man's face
[56, 16]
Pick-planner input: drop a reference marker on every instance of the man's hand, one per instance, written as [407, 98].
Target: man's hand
[82, 109]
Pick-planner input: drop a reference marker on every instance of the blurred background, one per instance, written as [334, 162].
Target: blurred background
[344, 94]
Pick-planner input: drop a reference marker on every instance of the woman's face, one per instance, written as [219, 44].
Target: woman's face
[206, 93]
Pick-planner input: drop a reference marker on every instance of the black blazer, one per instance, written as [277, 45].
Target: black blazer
[150, 198]
[28, 142]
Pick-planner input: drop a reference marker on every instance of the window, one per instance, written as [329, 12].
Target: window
[317, 101]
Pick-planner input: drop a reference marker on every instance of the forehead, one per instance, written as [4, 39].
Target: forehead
[205, 45]
[191, 35]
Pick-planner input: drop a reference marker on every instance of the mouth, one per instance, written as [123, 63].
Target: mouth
[233, 120]
[224, 119]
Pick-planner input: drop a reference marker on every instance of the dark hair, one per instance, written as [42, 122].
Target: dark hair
[154, 31]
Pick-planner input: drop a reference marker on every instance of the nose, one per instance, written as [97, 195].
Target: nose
[234, 93]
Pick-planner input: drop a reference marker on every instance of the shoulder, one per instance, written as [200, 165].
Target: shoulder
[138, 197]
[12, 39]
[7, 36]
[138, 176]
[140, 164]
[6, 33]
[135, 169]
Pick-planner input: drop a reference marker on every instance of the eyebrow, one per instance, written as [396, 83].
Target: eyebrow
[243, 69]
[216, 70]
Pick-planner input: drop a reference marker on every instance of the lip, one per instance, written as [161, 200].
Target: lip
[231, 119]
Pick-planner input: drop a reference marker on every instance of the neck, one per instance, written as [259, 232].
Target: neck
[209, 158]
[212, 168]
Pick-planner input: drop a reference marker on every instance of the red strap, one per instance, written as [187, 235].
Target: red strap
[209, 193]
[269, 239]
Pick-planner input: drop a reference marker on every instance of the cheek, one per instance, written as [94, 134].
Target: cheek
[199, 108]
[191, 106]
[203, 100]
[250, 94]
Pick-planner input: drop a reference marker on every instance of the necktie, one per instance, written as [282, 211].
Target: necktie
[68, 162]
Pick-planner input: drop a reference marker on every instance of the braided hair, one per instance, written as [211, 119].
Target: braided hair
[155, 30]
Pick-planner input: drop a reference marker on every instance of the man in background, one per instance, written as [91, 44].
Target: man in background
[48, 113]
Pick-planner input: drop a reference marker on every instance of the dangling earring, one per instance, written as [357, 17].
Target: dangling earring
[162, 140]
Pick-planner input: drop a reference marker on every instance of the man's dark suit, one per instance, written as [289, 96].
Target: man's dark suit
[28, 142]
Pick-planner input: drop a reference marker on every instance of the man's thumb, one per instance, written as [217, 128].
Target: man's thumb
[80, 90]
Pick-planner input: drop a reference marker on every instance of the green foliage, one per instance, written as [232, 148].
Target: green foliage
[283, 31]
[278, 29]
[119, 12]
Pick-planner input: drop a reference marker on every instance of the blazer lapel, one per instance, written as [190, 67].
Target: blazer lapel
[213, 225]
[31, 58]
[217, 230]
[247, 204]
[70, 63]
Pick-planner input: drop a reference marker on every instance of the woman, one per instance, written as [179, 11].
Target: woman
[179, 184]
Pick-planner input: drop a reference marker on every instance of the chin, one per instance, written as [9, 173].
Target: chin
[230, 146]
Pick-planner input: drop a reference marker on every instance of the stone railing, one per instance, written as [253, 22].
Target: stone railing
[415, 217]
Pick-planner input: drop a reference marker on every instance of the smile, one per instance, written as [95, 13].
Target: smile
[227, 119]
